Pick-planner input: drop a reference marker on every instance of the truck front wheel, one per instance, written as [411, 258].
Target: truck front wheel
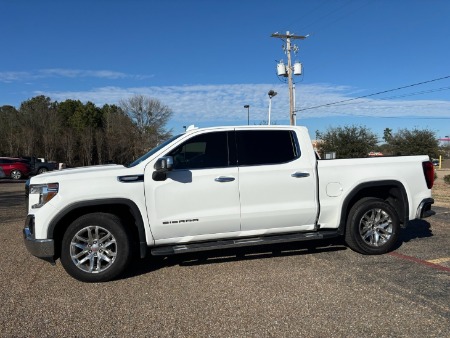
[372, 227]
[95, 248]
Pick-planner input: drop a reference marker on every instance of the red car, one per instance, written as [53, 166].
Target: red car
[14, 167]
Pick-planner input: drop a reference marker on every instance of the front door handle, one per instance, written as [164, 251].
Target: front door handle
[299, 174]
[224, 179]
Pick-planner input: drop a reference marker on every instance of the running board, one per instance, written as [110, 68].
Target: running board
[242, 242]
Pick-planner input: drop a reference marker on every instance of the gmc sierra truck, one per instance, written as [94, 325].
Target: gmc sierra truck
[221, 187]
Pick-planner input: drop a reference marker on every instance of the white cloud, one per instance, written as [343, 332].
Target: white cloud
[75, 73]
[8, 77]
[226, 102]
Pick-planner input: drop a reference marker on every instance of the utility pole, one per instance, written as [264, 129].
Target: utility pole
[288, 36]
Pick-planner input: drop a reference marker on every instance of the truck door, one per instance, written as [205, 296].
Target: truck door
[200, 196]
[277, 184]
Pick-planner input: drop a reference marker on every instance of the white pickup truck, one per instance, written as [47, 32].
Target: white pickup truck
[222, 187]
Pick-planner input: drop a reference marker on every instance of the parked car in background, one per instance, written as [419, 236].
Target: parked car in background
[15, 168]
[39, 165]
[2, 173]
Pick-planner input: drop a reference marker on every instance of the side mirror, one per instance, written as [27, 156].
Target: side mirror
[162, 166]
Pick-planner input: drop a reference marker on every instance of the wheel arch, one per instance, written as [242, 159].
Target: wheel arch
[391, 191]
[125, 209]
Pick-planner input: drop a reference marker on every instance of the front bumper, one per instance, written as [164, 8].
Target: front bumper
[41, 248]
[424, 209]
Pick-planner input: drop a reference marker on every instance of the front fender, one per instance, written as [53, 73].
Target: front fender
[93, 205]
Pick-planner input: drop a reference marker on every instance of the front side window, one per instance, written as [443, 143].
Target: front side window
[259, 147]
[202, 151]
[153, 151]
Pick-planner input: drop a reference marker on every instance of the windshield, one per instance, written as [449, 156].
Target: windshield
[151, 152]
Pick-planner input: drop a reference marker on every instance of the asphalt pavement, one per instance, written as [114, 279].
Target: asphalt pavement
[316, 289]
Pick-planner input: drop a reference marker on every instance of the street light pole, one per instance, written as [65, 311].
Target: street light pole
[248, 113]
[271, 94]
[448, 148]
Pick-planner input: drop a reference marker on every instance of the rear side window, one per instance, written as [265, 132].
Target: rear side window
[258, 147]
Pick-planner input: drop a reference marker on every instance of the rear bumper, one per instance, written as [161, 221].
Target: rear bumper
[41, 248]
[424, 209]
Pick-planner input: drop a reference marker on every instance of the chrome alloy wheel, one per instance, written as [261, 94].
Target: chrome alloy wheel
[93, 249]
[375, 227]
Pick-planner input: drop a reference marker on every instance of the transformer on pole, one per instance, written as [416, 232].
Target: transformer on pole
[288, 70]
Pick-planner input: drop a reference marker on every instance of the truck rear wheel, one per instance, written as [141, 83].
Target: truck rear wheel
[95, 248]
[372, 227]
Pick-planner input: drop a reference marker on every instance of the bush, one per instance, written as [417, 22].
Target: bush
[447, 179]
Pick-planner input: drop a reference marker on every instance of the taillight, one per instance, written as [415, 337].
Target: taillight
[428, 171]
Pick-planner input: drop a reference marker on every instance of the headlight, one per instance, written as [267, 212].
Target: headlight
[46, 193]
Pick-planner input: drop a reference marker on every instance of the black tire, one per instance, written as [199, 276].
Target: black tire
[42, 170]
[372, 227]
[15, 174]
[95, 248]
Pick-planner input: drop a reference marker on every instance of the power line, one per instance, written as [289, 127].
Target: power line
[327, 23]
[327, 15]
[400, 96]
[404, 117]
[369, 95]
[416, 93]
[307, 14]
[411, 117]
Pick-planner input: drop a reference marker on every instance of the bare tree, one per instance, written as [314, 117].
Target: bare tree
[80, 133]
[51, 130]
[150, 117]
[41, 126]
[9, 125]
[86, 140]
[68, 146]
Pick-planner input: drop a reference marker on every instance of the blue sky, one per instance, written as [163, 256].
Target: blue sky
[207, 59]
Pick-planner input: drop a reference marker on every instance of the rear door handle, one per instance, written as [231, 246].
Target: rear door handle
[224, 179]
[299, 174]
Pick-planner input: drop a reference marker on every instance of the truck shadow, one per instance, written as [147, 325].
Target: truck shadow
[418, 228]
[153, 263]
